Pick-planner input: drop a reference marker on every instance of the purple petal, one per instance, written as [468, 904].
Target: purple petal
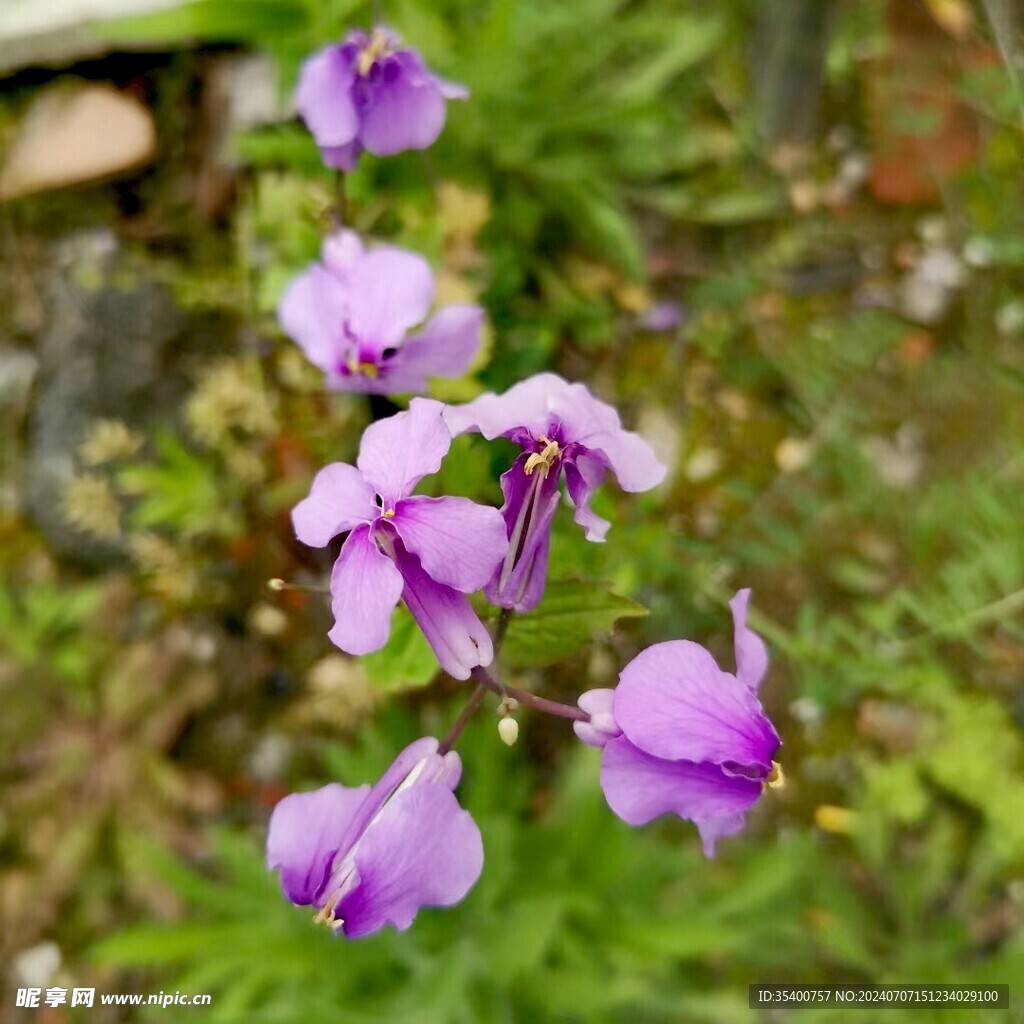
[324, 97]
[452, 90]
[360, 384]
[530, 503]
[527, 405]
[751, 653]
[394, 378]
[339, 500]
[341, 158]
[456, 635]
[365, 587]
[423, 850]
[629, 457]
[595, 425]
[312, 312]
[458, 542]
[417, 753]
[546, 404]
[674, 702]
[390, 291]
[396, 453]
[524, 588]
[304, 834]
[403, 112]
[640, 788]
[341, 251]
[412, 66]
[446, 345]
[582, 477]
[663, 316]
[602, 726]
[444, 348]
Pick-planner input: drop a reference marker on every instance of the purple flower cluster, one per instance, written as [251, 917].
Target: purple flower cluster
[371, 93]
[678, 734]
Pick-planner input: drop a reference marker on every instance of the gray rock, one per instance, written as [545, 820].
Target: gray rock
[109, 351]
[17, 372]
[18, 369]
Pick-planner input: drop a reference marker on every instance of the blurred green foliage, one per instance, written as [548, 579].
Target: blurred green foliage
[576, 918]
[861, 469]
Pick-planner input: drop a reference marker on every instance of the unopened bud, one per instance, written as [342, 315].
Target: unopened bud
[508, 730]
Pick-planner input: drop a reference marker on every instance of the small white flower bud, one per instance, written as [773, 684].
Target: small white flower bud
[508, 730]
[276, 585]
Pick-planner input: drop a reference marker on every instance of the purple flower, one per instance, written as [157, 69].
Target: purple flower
[663, 316]
[369, 93]
[430, 552]
[561, 427]
[351, 314]
[680, 736]
[370, 857]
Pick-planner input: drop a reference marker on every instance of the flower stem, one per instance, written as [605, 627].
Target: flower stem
[531, 700]
[477, 696]
[472, 705]
[485, 681]
[504, 620]
[340, 203]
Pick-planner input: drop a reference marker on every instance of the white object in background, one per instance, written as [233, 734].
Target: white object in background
[54, 33]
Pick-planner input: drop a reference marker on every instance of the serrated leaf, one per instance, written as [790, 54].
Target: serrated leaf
[571, 612]
[406, 660]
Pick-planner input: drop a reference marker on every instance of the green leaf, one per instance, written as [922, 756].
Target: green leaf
[224, 20]
[406, 660]
[693, 39]
[280, 146]
[185, 492]
[740, 206]
[571, 612]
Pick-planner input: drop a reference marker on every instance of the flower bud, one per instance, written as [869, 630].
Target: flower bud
[508, 730]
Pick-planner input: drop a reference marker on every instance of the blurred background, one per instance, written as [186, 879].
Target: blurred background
[786, 239]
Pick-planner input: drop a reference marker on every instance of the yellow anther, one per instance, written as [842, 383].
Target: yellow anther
[389, 513]
[776, 779]
[326, 913]
[542, 460]
[374, 50]
[355, 367]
